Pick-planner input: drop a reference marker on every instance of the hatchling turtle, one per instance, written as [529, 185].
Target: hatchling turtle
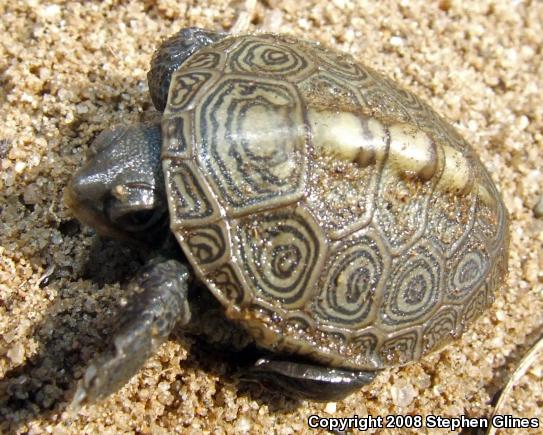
[336, 217]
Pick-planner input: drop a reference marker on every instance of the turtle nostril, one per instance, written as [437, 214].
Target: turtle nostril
[82, 192]
[88, 185]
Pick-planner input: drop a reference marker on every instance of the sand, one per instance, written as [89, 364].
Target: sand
[70, 70]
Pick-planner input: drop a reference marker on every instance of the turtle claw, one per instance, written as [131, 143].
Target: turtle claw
[78, 400]
[80, 397]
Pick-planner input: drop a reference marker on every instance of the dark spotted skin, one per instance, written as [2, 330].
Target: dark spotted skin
[171, 56]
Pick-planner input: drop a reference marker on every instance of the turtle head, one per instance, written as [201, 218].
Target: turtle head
[170, 56]
[120, 190]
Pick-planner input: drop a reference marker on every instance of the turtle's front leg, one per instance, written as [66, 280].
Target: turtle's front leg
[145, 324]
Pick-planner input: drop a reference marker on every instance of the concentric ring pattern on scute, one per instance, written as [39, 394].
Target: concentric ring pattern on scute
[414, 288]
[251, 166]
[334, 247]
[354, 277]
[269, 57]
[280, 252]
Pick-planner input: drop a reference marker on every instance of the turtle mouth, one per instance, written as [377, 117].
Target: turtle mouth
[87, 213]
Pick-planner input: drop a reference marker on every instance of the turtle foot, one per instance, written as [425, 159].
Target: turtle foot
[145, 324]
[308, 381]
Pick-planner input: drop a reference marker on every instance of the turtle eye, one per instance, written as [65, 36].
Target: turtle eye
[138, 220]
[133, 207]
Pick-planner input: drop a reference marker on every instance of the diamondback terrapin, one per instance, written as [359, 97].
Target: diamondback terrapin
[336, 217]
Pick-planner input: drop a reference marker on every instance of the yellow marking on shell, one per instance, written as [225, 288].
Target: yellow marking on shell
[412, 151]
[485, 196]
[457, 174]
[351, 137]
[347, 136]
[263, 142]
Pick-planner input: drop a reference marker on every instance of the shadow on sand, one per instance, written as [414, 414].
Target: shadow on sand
[77, 326]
